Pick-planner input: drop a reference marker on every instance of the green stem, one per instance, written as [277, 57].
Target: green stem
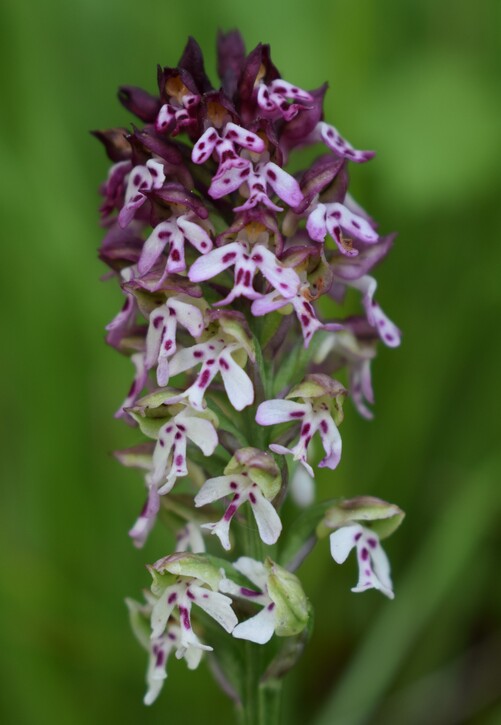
[261, 701]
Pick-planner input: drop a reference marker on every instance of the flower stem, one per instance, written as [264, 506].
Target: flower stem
[261, 701]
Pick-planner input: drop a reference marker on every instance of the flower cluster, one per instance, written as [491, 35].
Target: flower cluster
[228, 264]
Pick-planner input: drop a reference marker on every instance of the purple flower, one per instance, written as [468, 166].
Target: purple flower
[332, 219]
[141, 180]
[161, 337]
[173, 233]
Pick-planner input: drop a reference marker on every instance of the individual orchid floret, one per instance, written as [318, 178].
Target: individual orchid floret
[172, 119]
[357, 354]
[161, 337]
[331, 137]
[173, 233]
[332, 219]
[173, 426]
[224, 147]
[141, 180]
[113, 188]
[247, 261]
[179, 581]
[251, 476]
[274, 99]
[386, 329]
[285, 608]
[320, 410]
[257, 179]
[361, 523]
[160, 648]
[301, 303]
[224, 351]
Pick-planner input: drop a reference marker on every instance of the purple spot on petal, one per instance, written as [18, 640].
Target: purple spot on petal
[252, 498]
[249, 592]
[230, 512]
[185, 617]
[172, 598]
[223, 364]
[364, 554]
[228, 257]
[204, 379]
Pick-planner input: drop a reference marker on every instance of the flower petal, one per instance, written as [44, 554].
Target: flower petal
[216, 605]
[343, 540]
[154, 246]
[316, 226]
[215, 262]
[284, 279]
[195, 234]
[332, 443]
[283, 184]
[272, 412]
[237, 383]
[202, 433]
[204, 147]
[267, 519]
[243, 137]
[260, 628]
[218, 487]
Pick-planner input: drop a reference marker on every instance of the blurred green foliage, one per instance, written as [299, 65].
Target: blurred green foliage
[419, 82]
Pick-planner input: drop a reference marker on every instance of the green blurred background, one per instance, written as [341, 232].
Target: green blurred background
[417, 81]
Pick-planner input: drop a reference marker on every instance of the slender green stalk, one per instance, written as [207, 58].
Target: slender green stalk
[261, 701]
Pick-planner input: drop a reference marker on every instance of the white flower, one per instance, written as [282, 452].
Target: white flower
[315, 414]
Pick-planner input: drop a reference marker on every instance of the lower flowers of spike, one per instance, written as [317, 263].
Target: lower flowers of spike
[285, 608]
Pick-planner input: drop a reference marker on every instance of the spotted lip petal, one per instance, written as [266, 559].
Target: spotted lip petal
[373, 564]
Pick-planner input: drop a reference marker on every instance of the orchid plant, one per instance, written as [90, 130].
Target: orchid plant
[225, 260]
